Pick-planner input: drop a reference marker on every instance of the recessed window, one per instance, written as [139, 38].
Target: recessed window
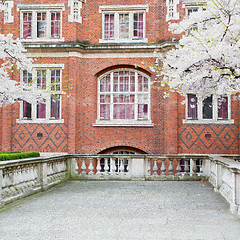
[124, 98]
[49, 108]
[211, 109]
[123, 23]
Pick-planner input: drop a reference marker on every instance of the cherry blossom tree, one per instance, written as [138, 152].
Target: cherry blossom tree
[12, 56]
[207, 58]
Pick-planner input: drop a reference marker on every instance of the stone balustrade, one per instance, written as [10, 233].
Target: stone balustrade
[140, 167]
[224, 175]
[20, 178]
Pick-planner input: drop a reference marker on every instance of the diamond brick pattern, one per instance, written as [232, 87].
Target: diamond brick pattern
[54, 137]
[223, 140]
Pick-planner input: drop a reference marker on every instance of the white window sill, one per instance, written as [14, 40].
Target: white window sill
[39, 121]
[142, 40]
[123, 123]
[208, 121]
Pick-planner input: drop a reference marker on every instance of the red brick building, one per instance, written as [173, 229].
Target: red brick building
[90, 53]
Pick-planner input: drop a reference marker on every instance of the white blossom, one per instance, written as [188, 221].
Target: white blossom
[12, 54]
[207, 59]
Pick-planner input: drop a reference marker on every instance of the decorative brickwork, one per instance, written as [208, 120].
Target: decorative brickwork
[40, 137]
[209, 139]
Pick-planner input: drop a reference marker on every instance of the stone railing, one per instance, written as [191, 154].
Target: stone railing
[224, 174]
[20, 178]
[140, 167]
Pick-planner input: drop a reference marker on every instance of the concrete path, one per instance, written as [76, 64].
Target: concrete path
[121, 210]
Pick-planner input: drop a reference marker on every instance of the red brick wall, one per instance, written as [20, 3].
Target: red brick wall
[79, 106]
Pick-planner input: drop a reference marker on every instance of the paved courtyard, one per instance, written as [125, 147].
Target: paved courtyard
[121, 210]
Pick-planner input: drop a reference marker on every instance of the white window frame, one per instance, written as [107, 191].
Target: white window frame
[172, 13]
[34, 9]
[8, 16]
[124, 122]
[48, 119]
[123, 9]
[73, 17]
[214, 119]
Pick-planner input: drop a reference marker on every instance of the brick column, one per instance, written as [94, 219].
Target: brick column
[170, 124]
[6, 128]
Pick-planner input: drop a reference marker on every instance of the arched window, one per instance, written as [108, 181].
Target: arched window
[124, 98]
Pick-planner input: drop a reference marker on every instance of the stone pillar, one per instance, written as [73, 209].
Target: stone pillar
[1, 181]
[218, 176]
[72, 167]
[44, 172]
[137, 168]
[235, 205]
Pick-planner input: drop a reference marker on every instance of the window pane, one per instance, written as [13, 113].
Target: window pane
[142, 83]
[142, 106]
[41, 79]
[105, 106]
[105, 84]
[41, 110]
[41, 25]
[55, 24]
[109, 26]
[27, 77]
[27, 110]
[123, 25]
[27, 25]
[138, 25]
[223, 108]
[192, 106]
[207, 108]
[55, 106]
[55, 80]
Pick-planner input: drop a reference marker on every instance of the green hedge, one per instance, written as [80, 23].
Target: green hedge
[18, 155]
[3, 152]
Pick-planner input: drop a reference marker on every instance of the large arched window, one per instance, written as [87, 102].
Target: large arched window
[124, 98]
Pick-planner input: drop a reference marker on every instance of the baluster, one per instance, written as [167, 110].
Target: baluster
[3, 178]
[31, 170]
[19, 174]
[121, 167]
[76, 166]
[163, 168]
[24, 177]
[106, 166]
[98, 168]
[193, 167]
[178, 169]
[170, 168]
[155, 167]
[35, 175]
[27, 176]
[15, 177]
[90, 167]
[83, 167]
[7, 178]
